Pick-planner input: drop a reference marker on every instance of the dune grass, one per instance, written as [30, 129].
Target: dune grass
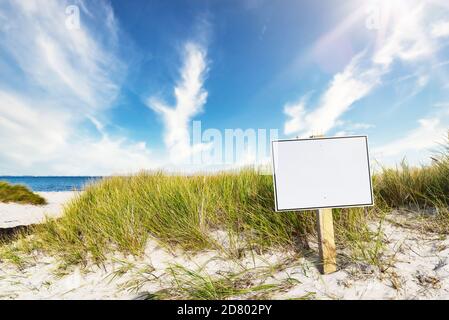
[122, 213]
[423, 189]
[187, 212]
[19, 194]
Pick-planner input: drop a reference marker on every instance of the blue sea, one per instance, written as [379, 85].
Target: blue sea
[51, 183]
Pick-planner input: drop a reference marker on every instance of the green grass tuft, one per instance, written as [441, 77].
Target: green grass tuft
[419, 187]
[423, 189]
[19, 194]
[184, 212]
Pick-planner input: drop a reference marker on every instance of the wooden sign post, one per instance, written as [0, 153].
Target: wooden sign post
[326, 238]
[326, 242]
[321, 173]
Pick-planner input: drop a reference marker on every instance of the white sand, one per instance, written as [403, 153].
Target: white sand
[12, 214]
[418, 270]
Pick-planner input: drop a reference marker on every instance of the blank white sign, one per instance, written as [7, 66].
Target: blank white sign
[321, 173]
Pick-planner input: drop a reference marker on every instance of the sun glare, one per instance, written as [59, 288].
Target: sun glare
[385, 13]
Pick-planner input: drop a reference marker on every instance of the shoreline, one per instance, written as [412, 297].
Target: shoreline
[14, 215]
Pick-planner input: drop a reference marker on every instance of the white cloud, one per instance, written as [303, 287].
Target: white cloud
[296, 112]
[440, 29]
[416, 145]
[53, 81]
[103, 156]
[359, 126]
[346, 87]
[58, 60]
[26, 130]
[41, 139]
[352, 128]
[190, 98]
[408, 41]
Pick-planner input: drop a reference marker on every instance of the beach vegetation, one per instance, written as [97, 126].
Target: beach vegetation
[19, 194]
[233, 213]
[186, 212]
[423, 190]
[198, 285]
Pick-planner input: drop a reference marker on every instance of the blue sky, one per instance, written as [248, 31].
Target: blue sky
[118, 91]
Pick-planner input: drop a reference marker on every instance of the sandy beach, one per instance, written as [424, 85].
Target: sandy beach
[415, 268]
[245, 150]
[13, 215]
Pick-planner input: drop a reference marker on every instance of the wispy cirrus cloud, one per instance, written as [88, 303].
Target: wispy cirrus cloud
[346, 88]
[63, 62]
[427, 135]
[409, 39]
[190, 97]
[54, 82]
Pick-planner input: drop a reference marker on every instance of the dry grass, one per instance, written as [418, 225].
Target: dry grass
[185, 212]
[122, 213]
[422, 189]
